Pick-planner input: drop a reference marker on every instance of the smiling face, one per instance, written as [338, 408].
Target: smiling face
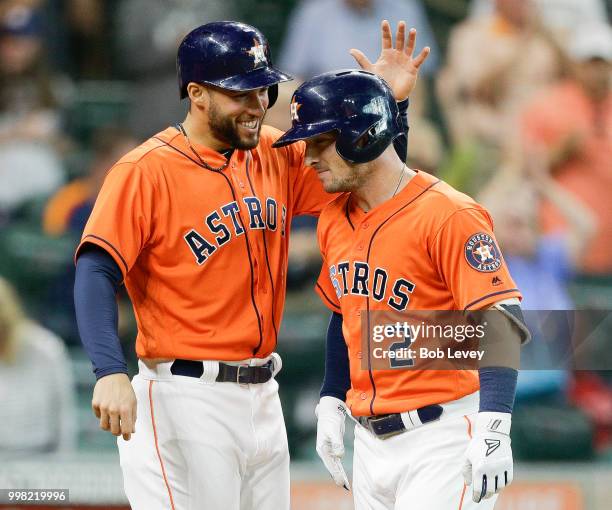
[336, 174]
[235, 118]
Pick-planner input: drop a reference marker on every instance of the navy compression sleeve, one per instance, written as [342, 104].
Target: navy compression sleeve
[97, 280]
[497, 389]
[337, 380]
[400, 144]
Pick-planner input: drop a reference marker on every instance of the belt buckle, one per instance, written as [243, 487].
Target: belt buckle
[375, 419]
[365, 423]
[240, 375]
[372, 420]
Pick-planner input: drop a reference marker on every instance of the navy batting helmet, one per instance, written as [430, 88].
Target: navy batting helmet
[229, 55]
[357, 105]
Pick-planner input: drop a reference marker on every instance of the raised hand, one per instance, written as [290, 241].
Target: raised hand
[396, 64]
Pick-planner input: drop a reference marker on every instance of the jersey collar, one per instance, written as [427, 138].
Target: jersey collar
[174, 137]
[417, 185]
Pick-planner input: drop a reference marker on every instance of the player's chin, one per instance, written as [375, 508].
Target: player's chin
[331, 185]
[248, 142]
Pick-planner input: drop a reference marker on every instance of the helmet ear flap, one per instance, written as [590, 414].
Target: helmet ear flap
[272, 95]
[364, 147]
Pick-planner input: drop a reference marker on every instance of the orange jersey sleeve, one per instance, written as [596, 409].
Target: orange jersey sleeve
[121, 221]
[325, 289]
[468, 259]
[327, 286]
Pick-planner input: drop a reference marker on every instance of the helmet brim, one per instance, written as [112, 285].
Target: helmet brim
[303, 132]
[255, 79]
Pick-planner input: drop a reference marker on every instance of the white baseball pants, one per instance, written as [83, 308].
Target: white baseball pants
[202, 444]
[420, 468]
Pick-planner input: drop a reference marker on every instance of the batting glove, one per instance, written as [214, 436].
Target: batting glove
[488, 459]
[331, 413]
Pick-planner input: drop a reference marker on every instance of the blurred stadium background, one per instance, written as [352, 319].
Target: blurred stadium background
[514, 107]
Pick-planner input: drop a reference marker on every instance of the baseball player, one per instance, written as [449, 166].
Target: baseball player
[400, 240]
[195, 222]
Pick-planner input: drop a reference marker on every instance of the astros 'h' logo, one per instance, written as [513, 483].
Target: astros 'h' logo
[294, 106]
[258, 52]
[482, 253]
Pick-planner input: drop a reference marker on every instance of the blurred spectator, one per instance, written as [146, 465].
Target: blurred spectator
[425, 143]
[558, 15]
[67, 212]
[590, 392]
[320, 33]
[150, 32]
[38, 412]
[87, 23]
[30, 100]
[541, 264]
[69, 209]
[572, 121]
[495, 63]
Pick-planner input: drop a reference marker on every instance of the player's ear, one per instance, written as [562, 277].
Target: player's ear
[197, 94]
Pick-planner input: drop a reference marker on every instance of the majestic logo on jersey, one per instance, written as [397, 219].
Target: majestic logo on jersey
[294, 107]
[258, 52]
[227, 221]
[482, 253]
[361, 280]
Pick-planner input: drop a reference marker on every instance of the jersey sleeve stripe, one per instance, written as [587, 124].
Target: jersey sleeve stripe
[322, 293]
[480, 300]
[104, 241]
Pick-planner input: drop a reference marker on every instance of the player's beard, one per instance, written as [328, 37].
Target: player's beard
[225, 129]
[352, 179]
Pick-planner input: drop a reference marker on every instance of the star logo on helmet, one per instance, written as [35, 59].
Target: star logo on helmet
[294, 107]
[258, 52]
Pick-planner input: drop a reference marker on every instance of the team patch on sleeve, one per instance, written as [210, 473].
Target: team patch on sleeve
[482, 253]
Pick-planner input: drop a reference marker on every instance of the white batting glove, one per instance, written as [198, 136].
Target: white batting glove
[331, 413]
[488, 459]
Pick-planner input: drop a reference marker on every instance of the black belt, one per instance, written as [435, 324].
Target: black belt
[241, 374]
[387, 425]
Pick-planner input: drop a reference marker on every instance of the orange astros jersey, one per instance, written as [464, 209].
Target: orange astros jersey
[204, 253]
[427, 248]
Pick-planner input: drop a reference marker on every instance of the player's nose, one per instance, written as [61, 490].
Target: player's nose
[258, 100]
[312, 155]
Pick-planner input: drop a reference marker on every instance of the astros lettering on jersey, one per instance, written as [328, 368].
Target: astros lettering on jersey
[429, 247]
[218, 239]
